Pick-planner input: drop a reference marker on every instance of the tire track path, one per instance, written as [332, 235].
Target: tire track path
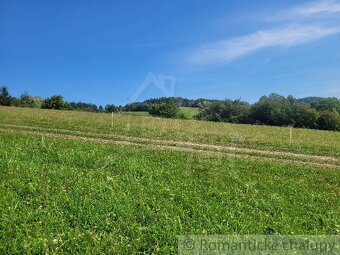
[200, 148]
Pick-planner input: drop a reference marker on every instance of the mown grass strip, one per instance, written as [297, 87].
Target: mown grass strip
[237, 150]
[225, 134]
[235, 153]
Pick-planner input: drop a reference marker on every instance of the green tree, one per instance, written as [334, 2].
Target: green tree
[330, 104]
[226, 111]
[110, 108]
[55, 102]
[329, 120]
[27, 100]
[272, 110]
[303, 115]
[261, 111]
[5, 97]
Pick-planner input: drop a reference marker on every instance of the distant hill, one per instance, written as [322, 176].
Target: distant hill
[180, 101]
[185, 102]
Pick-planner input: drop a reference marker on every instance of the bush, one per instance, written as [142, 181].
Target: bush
[165, 110]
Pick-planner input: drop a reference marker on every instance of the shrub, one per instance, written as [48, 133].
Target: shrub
[165, 110]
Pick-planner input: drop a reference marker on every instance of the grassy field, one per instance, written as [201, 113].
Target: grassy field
[189, 112]
[81, 191]
[250, 136]
[134, 113]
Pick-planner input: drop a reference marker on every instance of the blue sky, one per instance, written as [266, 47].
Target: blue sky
[103, 51]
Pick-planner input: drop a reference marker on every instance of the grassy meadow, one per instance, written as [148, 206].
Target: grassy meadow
[189, 112]
[60, 196]
[265, 137]
[134, 113]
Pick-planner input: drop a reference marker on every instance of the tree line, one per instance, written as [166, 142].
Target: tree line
[55, 102]
[276, 110]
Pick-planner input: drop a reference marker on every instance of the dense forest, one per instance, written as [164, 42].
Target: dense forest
[276, 110]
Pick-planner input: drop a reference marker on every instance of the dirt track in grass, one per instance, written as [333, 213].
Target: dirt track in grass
[198, 148]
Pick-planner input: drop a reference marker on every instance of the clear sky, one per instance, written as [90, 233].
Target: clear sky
[102, 51]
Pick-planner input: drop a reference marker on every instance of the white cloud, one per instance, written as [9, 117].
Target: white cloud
[225, 51]
[314, 13]
[317, 7]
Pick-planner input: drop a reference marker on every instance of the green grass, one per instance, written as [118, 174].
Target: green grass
[135, 113]
[265, 137]
[189, 112]
[72, 197]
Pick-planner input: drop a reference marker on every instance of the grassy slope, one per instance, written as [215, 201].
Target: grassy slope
[134, 113]
[76, 197]
[277, 138]
[189, 112]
